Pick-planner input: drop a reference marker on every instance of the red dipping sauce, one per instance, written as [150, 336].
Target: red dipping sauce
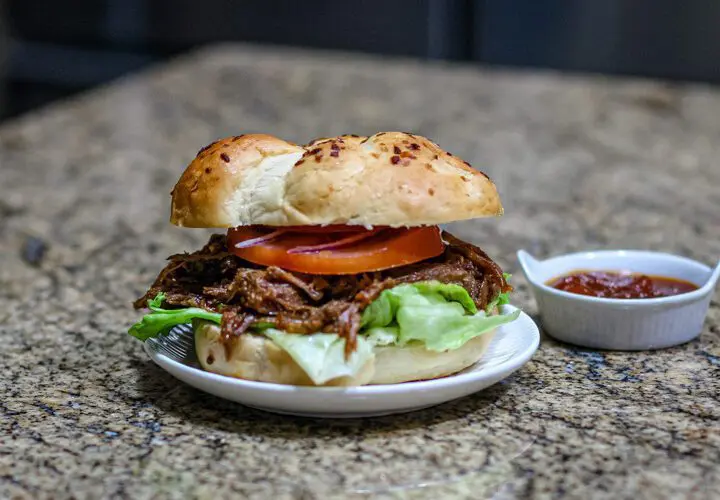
[620, 285]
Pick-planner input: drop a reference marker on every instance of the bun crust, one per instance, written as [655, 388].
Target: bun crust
[388, 179]
[255, 357]
[233, 179]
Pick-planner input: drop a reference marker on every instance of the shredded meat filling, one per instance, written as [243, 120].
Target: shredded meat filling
[214, 279]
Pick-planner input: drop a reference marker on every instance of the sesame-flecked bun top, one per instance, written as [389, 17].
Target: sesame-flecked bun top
[388, 179]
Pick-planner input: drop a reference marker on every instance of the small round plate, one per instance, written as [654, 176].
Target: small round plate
[513, 345]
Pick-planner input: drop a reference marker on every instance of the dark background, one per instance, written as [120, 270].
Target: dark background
[53, 48]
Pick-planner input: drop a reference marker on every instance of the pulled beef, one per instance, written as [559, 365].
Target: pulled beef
[302, 303]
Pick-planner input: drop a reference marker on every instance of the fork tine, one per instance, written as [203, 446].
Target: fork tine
[178, 344]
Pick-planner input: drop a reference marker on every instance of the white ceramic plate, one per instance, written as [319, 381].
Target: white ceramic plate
[513, 345]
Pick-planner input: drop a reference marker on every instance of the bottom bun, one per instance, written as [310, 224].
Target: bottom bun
[394, 364]
[255, 357]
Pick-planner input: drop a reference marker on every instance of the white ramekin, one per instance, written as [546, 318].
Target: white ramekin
[621, 324]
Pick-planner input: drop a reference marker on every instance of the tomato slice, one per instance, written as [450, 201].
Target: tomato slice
[342, 252]
[332, 228]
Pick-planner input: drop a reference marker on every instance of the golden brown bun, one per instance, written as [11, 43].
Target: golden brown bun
[255, 357]
[388, 179]
[232, 180]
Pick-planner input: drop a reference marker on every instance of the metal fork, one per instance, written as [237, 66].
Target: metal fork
[178, 344]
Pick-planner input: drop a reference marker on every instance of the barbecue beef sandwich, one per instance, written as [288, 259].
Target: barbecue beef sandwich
[331, 268]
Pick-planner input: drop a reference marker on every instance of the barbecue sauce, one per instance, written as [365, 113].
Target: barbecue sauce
[620, 285]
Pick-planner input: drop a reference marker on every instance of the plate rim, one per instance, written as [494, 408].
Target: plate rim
[510, 366]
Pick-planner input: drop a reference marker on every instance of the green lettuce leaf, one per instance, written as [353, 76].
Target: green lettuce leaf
[383, 310]
[160, 321]
[322, 355]
[434, 313]
[502, 298]
[382, 335]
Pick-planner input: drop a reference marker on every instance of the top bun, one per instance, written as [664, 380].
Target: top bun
[389, 179]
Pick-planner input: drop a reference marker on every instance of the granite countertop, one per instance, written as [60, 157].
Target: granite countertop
[581, 162]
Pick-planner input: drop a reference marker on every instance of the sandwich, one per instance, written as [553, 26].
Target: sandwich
[330, 267]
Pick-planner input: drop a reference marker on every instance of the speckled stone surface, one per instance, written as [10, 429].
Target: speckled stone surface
[581, 162]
